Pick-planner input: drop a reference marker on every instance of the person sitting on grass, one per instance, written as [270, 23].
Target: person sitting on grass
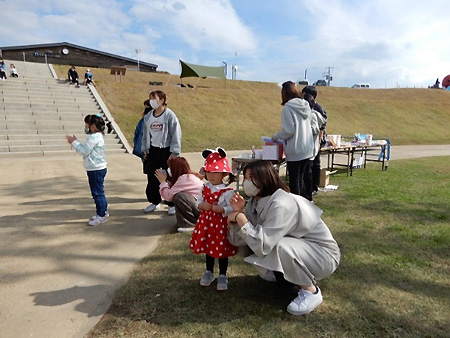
[289, 240]
[182, 186]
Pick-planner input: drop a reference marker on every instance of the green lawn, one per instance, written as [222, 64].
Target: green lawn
[393, 280]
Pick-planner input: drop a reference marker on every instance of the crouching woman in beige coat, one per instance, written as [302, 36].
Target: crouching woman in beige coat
[285, 233]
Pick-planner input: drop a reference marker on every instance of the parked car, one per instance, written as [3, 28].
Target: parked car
[303, 82]
[361, 85]
[320, 83]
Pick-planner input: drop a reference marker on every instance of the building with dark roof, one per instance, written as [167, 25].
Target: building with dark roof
[69, 54]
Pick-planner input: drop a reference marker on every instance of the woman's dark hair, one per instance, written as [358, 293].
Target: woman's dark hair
[96, 119]
[310, 90]
[265, 177]
[288, 92]
[160, 94]
[308, 97]
[179, 166]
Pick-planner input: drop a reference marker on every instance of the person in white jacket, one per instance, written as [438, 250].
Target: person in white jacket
[296, 134]
[286, 235]
[161, 140]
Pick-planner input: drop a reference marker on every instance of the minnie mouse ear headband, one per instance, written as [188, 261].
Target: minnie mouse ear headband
[216, 161]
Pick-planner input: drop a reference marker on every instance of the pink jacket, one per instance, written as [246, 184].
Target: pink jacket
[187, 183]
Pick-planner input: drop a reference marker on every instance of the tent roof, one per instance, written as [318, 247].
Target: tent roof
[191, 70]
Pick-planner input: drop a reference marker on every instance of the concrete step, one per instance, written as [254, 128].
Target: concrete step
[8, 155]
[50, 116]
[42, 88]
[52, 137]
[26, 98]
[49, 147]
[48, 112]
[111, 143]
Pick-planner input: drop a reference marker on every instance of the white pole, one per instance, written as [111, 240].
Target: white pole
[137, 52]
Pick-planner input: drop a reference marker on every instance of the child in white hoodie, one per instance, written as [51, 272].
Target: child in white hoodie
[94, 159]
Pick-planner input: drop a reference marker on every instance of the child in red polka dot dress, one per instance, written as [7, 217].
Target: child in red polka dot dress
[210, 233]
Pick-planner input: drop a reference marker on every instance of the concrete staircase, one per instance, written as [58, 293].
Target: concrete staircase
[37, 111]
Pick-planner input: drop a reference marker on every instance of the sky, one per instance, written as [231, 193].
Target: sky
[386, 43]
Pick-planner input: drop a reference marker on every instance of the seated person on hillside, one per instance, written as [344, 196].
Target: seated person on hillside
[88, 78]
[13, 71]
[73, 76]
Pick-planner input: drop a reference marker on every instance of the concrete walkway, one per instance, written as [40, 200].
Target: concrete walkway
[57, 275]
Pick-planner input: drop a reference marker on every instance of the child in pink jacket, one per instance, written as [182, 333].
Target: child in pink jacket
[182, 186]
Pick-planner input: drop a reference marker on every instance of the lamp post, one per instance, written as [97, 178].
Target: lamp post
[226, 68]
[137, 52]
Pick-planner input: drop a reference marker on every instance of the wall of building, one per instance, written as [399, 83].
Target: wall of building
[75, 56]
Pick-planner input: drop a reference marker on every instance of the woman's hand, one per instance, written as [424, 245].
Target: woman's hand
[237, 202]
[205, 206]
[237, 218]
[161, 175]
[70, 139]
[145, 156]
[218, 208]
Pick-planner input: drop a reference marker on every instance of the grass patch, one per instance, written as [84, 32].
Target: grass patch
[393, 280]
[235, 114]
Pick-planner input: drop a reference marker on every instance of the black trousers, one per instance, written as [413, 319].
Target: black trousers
[223, 264]
[308, 182]
[316, 172]
[156, 158]
[296, 172]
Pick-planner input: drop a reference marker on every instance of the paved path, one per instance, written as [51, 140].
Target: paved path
[57, 275]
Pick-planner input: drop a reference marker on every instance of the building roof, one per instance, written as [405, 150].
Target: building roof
[66, 44]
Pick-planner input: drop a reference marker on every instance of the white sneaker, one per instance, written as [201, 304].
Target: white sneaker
[305, 302]
[152, 207]
[98, 220]
[207, 279]
[106, 215]
[185, 229]
[222, 283]
[171, 211]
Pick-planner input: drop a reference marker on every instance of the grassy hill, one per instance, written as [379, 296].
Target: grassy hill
[235, 114]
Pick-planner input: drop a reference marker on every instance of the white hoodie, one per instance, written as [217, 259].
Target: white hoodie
[296, 130]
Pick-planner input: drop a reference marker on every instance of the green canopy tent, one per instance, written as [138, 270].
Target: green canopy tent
[191, 70]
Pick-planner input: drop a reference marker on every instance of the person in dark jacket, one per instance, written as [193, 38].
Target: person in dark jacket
[73, 76]
[137, 140]
[322, 138]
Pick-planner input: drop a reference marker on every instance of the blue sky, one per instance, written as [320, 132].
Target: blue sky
[395, 43]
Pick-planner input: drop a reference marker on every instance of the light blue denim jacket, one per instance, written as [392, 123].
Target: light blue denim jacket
[93, 151]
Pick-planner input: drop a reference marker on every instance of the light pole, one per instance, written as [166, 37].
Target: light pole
[137, 52]
[226, 68]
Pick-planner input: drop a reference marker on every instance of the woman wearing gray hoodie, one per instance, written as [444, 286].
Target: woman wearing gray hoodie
[296, 134]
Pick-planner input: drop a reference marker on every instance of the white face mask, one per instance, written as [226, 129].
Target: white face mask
[154, 104]
[169, 172]
[250, 189]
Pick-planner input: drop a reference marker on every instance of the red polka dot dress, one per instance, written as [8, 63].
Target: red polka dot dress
[210, 233]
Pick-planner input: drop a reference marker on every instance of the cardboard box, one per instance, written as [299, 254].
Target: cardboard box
[270, 152]
[324, 178]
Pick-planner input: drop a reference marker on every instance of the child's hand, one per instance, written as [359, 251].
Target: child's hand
[218, 208]
[205, 206]
[237, 202]
[161, 175]
[70, 139]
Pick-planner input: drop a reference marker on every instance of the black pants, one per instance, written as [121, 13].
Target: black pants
[223, 264]
[308, 182]
[316, 172]
[296, 172]
[156, 158]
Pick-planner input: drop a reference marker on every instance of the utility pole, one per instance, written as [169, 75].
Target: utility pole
[328, 76]
[138, 51]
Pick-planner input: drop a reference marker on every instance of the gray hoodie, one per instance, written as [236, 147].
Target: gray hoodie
[296, 130]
